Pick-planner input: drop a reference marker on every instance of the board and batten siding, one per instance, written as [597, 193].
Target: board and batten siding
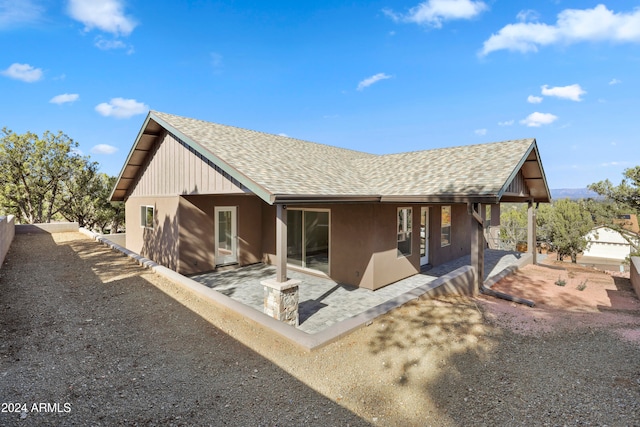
[172, 168]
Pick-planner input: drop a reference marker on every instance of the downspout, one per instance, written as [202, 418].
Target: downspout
[479, 240]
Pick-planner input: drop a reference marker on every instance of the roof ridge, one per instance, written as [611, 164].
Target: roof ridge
[257, 132]
[480, 144]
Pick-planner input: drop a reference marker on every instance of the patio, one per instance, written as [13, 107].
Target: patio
[324, 302]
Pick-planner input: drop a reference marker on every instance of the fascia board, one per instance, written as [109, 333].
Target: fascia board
[133, 148]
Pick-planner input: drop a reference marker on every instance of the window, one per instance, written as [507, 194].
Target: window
[146, 216]
[404, 231]
[445, 226]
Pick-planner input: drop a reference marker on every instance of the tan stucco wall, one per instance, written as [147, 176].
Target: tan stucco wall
[196, 215]
[363, 241]
[159, 244]
[388, 266]
[460, 235]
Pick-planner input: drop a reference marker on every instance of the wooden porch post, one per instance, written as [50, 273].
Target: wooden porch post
[281, 243]
[531, 233]
[477, 243]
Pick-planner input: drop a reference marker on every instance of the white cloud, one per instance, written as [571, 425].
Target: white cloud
[527, 15]
[434, 12]
[609, 164]
[64, 98]
[615, 82]
[104, 44]
[572, 92]
[480, 132]
[538, 119]
[24, 72]
[14, 12]
[104, 149]
[105, 15]
[371, 80]
[572, 26]
[283, 134]
[506, 123]
[534, 99]
[121, 108]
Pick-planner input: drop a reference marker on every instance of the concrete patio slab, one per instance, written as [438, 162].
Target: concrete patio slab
[324, 302]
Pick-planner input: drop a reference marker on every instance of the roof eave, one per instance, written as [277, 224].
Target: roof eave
[323, 198]
[518, 167]
[442, 198]
[124, 166]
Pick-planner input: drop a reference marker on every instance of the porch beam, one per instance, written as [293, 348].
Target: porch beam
[281, 243]
[531, 232]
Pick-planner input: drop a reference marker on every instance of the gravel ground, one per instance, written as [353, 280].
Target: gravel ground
[105, 342]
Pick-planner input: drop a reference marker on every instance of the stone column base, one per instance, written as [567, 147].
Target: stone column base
[281, 300]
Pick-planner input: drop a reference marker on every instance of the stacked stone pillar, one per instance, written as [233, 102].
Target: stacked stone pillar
[281, 300]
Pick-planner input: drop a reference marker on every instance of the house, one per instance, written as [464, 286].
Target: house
[202, 196]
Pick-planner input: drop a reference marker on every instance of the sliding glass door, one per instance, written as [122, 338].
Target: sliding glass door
[308, 239]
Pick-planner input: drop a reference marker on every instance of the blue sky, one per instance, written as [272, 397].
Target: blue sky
[377, 76]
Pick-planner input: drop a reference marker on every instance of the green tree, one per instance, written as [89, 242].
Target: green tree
[32, 171]
[82, 194]
[109, 214]
[568, 226]
[513, 225]
[86, 199]
[42, 178]
[626, 194]
[544, 214]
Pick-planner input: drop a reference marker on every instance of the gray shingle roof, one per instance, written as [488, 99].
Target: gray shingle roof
[481, 169]
[283, 166]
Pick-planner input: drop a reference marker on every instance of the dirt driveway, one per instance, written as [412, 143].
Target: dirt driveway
[104, 342]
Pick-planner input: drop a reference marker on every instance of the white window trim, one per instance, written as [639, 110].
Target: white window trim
[442, 245]
[143, 218]
[402, 234]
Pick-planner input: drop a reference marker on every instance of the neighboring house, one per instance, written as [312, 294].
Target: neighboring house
[200, 196]
[609, 244]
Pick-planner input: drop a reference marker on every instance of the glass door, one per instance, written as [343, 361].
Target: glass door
[226, 238]
[308, 239]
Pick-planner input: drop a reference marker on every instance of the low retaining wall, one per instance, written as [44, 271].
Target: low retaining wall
[7, 232]
[119, 239]
[51, 227]
[635, 274]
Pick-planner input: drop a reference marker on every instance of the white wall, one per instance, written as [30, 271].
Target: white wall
[607, 243]
[7, 232]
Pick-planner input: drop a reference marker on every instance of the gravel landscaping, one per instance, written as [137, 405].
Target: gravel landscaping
[91, 338]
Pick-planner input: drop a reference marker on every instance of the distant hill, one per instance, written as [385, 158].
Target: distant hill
[574, 194]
